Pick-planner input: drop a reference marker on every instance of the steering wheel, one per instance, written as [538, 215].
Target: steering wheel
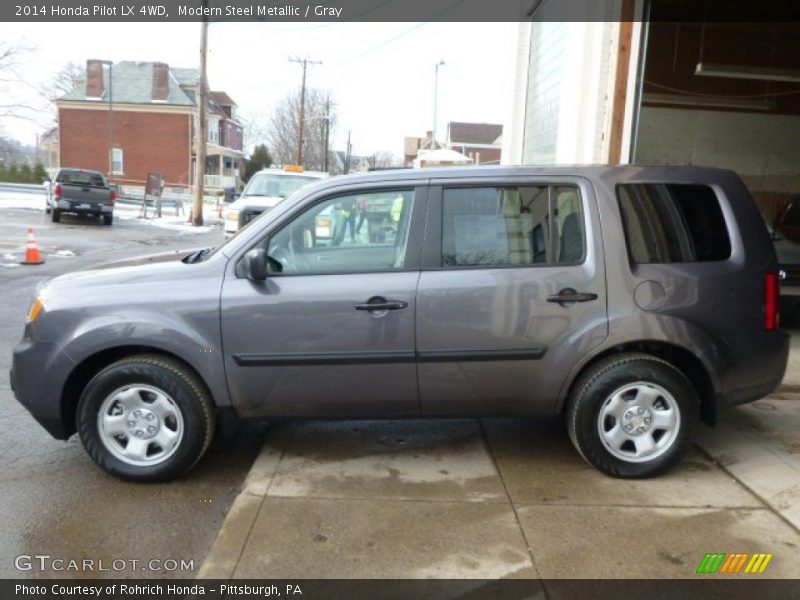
[292, 260]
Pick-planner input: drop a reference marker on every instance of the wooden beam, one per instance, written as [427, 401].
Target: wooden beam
[625, 41]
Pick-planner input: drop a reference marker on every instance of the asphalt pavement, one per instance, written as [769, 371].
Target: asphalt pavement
[56, 502]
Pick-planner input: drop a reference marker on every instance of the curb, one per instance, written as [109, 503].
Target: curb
[223, 557]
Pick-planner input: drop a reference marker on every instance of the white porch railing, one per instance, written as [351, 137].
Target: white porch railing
[220, 181]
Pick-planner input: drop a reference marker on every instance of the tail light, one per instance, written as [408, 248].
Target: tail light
[57, 191]
[771, 301]
[113, 195]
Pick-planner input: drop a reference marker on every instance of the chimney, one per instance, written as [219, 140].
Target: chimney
[94, 79]
[160, 82]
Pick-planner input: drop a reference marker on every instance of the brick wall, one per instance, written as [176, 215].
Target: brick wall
[151, 142]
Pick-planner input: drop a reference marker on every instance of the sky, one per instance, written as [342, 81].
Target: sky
[381, 75]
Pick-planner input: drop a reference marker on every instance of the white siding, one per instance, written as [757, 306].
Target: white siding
[569, 92]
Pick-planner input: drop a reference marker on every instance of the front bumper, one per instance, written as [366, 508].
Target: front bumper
[39, 371]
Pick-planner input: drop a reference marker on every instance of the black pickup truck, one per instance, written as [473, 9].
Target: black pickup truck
[81, 192]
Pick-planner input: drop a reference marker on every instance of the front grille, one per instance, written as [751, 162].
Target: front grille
[247, 215]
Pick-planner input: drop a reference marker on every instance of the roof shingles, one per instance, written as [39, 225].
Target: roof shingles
[133, 84]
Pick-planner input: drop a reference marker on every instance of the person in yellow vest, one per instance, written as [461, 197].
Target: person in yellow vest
[397, 210]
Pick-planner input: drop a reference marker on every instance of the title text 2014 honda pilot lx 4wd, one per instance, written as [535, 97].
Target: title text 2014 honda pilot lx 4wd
[633, 300]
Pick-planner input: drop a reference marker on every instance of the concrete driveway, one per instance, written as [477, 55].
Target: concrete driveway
[482, 499]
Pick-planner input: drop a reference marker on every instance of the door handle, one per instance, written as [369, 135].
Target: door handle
[569, 296]
[377, 304]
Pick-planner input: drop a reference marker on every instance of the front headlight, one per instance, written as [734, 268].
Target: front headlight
[233, 215]
[37, 308]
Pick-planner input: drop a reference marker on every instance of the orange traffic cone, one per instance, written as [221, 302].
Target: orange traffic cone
[32, 254]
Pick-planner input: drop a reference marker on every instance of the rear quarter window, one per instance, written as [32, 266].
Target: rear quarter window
[673, 223]
[81, 178]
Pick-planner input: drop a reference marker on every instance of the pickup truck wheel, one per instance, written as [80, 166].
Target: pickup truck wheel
[632, 415]
[145, 418]
[107, 219]
[55, 214]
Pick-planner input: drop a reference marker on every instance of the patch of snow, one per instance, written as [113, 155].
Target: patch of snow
[64, 254]
[17, 200]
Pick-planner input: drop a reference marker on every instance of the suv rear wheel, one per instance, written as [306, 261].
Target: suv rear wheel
[632, 415]
[145, 418]
[55, 215]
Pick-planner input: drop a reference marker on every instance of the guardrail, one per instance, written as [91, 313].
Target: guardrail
[23, 188]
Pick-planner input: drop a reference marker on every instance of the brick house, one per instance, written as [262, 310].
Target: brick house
[480, 141]
[143, 120]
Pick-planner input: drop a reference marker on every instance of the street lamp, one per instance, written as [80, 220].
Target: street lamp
[435, 101]
[110, 116]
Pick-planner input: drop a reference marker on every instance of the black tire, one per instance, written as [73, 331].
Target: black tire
[55, 215]
[107, 219]
[592, 392]
[174, 379]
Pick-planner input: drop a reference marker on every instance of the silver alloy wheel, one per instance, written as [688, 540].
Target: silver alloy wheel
[140, 425]
[639, 422]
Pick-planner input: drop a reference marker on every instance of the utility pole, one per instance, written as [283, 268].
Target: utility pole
[347, 155]
[110, 116]
[435, 102]
[305, 62]
[327, 129]
[200, 167]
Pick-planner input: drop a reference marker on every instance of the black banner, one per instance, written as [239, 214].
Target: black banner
[710, 588]
[288, 11]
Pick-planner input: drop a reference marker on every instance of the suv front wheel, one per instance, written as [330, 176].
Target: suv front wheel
[632, 415]
[145, 418]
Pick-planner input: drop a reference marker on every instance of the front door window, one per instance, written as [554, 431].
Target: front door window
[356, 233]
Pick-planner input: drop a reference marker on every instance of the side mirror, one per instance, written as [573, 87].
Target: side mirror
[254, 264]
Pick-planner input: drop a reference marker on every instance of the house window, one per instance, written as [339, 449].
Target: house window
[213, 131]
[116, 161]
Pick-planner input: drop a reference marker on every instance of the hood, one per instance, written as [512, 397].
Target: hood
[256, 201]
[147, 259]
[152, 268]
[788, 252]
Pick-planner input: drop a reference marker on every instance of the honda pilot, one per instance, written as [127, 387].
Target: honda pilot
[634, 301]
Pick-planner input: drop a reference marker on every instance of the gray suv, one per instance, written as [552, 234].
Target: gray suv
[635, 301]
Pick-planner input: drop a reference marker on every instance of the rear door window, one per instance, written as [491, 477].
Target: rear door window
[673, 223]
[504, 226]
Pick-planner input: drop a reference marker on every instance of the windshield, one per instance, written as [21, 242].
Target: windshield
[267, 184]
[264, 216]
